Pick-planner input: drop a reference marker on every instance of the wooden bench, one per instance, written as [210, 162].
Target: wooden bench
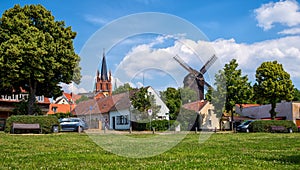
[277, 129]
[26, 126]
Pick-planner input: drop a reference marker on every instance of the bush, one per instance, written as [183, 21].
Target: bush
[265, 125]
[139, 126]
[62, 115]
[46, 122]
[159, 125]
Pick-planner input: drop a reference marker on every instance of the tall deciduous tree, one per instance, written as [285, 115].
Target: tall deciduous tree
[124, 88]
[231, 88]
[36, 53]
[142, 101]
[187, 95]
[296, 95]
[172, 99]
[273, 84]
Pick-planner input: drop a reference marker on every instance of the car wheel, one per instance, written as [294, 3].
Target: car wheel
[247, 130]
[79, 129]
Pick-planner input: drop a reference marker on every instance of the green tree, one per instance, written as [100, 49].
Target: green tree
[36, 53]
[217, 96]
[81, 99]
[21, 108]
[296, 95]
[172, 99]
[142, 101]
[231, 88]
[121, 89]
[187, 95]
[273, 84]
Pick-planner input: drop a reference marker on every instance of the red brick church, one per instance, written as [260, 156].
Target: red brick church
[103, 86]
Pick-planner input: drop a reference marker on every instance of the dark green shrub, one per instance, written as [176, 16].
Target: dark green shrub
[139, 126]
[62, 115]
[160, 125]
[265, 125]
[46, 122]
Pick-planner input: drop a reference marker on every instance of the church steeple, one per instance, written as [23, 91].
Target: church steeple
[104, 75]
[103, 80]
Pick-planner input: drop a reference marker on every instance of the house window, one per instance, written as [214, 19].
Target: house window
[122, 120]
[209, 122]
[54, 109]
[209, 112]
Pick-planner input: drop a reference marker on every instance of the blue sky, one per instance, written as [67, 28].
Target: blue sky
[252, 31]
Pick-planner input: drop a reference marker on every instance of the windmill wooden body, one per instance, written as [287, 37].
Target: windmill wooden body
[195, 79]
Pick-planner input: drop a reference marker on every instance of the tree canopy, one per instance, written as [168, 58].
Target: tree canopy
[273, 84]
[172, 99]
[296, 95]
[230, 88]
[36, 53]
[121, 89]
[142, 101]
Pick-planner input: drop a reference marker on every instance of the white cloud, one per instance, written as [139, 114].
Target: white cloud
[95, 20]
[282, 12]
[285, 50]
[291, 31]
[72, 88]
[146, 58]
[249, 56]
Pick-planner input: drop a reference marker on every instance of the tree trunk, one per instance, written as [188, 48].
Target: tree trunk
[272, 111]
[231, 123]
[31, 98]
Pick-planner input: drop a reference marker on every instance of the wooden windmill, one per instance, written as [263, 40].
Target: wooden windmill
[195, 79]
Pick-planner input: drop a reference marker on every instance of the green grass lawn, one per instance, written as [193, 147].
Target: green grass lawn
[220, 151]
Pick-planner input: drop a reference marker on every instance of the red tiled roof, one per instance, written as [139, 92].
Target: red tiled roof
[72, 96]
[103, 105]
[60, 108]
[67, 95]
[247, 105]
[195, 106]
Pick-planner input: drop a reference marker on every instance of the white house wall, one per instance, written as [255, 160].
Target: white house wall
[94, 120]
[112, 114]
[164, 110]
[210, 121]
[296, 110]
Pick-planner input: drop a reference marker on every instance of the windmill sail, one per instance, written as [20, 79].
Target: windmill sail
[209, 63]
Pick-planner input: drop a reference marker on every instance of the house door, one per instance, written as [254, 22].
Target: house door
[114, 122]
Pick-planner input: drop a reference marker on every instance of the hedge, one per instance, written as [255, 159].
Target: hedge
[46, 122]
[159, 125]
[265, 125]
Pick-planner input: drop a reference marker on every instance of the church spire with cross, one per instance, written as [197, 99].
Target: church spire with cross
[103, 80]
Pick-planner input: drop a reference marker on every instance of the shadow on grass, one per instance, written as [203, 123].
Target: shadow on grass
[293, 159]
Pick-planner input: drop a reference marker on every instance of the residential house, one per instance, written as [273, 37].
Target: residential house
[114, 112]
[8, 102]
[285, 111]
[64, 103]
[206, 120]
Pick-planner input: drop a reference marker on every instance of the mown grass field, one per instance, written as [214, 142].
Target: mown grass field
[220, 151]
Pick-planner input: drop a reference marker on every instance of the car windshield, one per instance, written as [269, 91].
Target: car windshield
[247, 122]
[70, 120]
